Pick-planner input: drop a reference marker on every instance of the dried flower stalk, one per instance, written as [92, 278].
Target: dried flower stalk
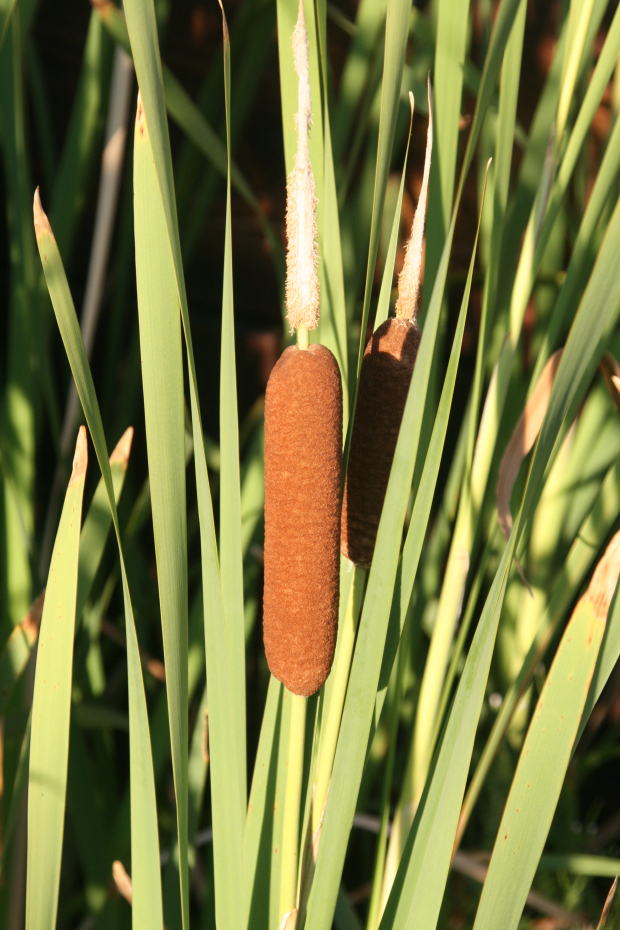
[410, 278]
[302, 280]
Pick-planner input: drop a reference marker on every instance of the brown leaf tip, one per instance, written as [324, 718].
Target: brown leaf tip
[224, 24]
[122, 880]
[41, 222]
[123, 448]
[604, 580]
[80, 459]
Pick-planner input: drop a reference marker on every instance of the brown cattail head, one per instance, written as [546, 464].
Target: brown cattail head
[302, 279]
[386, 373]
[303, 473]
[410, 278]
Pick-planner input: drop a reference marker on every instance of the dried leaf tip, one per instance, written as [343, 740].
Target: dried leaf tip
[80, 459]
[41, 222]
[604, 580]
[302, 280]
[410, 278]
[123, 448]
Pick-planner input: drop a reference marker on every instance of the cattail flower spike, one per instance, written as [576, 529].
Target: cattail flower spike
[302, 280]
[387, 368]
[410, 278]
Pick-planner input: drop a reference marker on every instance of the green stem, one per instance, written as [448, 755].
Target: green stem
[374, 909]
[339, 690]
[303, 338]
[292, 803]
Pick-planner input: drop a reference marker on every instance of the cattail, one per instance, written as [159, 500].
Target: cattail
[303, 473]
[303, 449]
[387, 368]
[302, 279]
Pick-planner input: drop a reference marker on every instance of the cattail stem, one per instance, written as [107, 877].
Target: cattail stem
[292, 805]
[303, 337]
[329, 740]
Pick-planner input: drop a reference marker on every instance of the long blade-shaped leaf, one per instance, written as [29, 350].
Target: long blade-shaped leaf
[16, 651]
[546, 753]
[51, 709]
[146, 877]
[231, 553]
[225, 740]
[435, 824]
[162, 382]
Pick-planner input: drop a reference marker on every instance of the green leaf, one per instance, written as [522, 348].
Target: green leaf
[227, 811]
[383, 305]
[146, 878]
[188, 117]
[540, 772]
[416, 893]
[6, 11]
[450, 53]
[396, 31]
[17, 648]
[231, 554]
[51, 709]
[162, 383]
[258, 841]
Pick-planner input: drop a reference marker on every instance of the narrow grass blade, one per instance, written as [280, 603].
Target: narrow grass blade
[16, 651]
[588, 539]
[333, 320]
[231, 553]
[162, 384]
[396, 30]
[258, 839]
[607, 660]
[411, 556]
[416, 532]
[81, 149]
[98, 521]
[20, 784]
[6, 11]
[22, 393]
[600, 866]
[546, 753]
[188, 117]
[383, 305]
[368, 21]
[450, 53]
[427, 854]
[506, 119]
[225, 740]
[146, 878]
[51, 709]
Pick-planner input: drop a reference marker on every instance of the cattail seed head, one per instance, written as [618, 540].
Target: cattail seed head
[386, 373]
[302, 279]
[303, 473]
[387, 369]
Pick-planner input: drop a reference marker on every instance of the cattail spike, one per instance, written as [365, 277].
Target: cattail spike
[302, 280]
[303, 480]
[410, 278]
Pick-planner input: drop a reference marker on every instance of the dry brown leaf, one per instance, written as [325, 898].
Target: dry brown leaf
[522, 440]
[608, 903]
